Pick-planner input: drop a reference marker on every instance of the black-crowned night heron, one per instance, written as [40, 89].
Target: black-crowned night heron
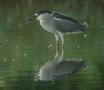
[58, 24]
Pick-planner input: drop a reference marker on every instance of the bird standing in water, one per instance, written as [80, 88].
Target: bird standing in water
[58, 24]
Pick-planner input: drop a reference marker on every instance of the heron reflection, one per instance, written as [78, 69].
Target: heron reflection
[59, 68]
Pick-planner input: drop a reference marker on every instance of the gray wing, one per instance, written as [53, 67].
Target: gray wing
[67, 24]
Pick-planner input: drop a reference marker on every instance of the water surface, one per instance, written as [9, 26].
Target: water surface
[24, 45]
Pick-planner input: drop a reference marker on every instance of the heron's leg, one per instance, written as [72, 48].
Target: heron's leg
[61, 58]
[56, 55]
[62, 39]
[57, 42]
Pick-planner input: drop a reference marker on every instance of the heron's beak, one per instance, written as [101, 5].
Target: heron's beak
[32, 18]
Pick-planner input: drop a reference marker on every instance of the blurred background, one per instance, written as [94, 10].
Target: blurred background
[24, 44]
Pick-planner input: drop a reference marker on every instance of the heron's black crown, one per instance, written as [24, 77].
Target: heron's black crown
[44, 11]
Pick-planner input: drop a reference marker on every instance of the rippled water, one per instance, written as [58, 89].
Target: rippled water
[24, 45]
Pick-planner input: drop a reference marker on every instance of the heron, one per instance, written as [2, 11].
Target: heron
[58, 24]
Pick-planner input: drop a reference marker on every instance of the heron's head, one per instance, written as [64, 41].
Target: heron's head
[40, 15]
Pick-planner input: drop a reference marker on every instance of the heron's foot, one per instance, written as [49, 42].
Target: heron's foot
[51, 45]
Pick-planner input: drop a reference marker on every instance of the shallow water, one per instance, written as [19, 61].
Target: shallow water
[24, 45]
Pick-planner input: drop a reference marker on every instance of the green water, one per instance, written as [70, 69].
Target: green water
[24, 45]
